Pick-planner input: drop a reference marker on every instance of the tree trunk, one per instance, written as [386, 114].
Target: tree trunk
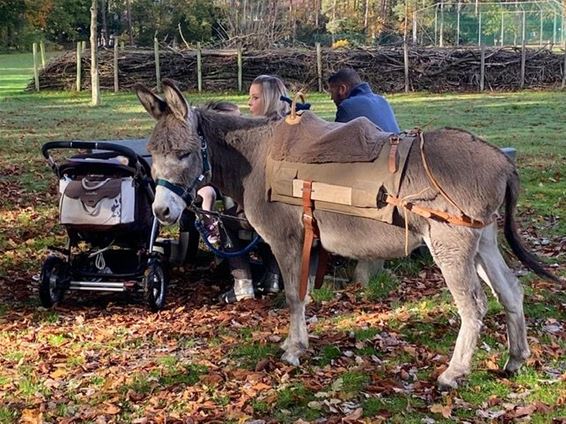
[366, 14]
[93, 59]
[103, 11]
[129, 11]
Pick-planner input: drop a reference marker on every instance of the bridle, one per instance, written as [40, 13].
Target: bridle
[184, 192]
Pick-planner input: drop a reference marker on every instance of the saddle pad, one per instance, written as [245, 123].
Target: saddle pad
[310, 139]
[347, 188]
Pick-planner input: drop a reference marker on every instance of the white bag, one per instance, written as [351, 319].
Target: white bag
[98, 202]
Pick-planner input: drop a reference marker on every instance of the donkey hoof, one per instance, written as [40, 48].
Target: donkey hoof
[512, 367]
[446, 383]
[291, 358]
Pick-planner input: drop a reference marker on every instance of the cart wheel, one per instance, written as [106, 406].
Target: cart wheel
[52, 281]
[155, 285]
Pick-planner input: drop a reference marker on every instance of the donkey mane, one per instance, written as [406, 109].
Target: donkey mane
[231, 128]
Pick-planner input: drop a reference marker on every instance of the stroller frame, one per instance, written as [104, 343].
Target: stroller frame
[135, 251]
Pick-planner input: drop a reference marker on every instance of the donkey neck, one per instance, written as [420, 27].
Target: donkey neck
[237, 147]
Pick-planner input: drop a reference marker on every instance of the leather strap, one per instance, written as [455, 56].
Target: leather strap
[311, 231]
[309, 224]
[323, 257]
[436, 215]
[393, 155]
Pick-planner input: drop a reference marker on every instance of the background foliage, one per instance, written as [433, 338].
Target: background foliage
[256, 23]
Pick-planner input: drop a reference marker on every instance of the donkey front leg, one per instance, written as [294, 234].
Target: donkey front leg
[454, 251]
[298, 339]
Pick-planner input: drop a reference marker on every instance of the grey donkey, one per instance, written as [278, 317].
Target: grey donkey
[478, 177]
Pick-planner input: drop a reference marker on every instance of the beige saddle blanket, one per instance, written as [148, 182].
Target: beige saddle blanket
[374, 166]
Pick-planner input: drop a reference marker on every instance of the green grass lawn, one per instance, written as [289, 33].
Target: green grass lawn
[122, 362]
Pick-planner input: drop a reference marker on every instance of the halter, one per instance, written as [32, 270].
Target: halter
[185, 192]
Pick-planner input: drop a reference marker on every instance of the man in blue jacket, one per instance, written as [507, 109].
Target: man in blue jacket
[354, 98]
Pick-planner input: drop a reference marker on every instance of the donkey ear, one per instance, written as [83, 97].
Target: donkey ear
[175, 100]
[154, 104]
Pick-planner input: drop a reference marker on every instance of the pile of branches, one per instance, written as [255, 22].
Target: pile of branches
[430, 69]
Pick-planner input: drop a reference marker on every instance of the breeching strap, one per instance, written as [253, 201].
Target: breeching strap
[311, 231]
[437, 215]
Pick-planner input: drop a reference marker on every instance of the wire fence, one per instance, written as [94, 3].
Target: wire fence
[491, 23]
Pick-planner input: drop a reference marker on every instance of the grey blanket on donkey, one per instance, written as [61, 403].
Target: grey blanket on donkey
[314, 140]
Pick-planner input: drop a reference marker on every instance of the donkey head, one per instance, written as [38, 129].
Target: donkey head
[180, 165]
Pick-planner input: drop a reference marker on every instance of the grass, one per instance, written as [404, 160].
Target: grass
[380, 286]
[113, 351]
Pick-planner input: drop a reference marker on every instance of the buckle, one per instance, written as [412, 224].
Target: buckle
[381, 198]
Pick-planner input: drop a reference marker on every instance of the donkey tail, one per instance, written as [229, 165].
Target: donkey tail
[511, 234]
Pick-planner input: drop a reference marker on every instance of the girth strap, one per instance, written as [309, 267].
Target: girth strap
[311, 231]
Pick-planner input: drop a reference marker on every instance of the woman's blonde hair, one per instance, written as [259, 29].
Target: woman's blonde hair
[272, 88]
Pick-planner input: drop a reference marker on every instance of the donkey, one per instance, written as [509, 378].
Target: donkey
[192, 146]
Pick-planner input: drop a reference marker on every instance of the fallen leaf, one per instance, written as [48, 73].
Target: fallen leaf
[112, 409]
[58, 373]
[444, 410]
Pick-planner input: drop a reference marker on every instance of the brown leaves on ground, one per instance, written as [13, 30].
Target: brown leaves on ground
[105, 358]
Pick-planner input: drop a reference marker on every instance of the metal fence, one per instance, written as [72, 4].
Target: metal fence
[513, 23]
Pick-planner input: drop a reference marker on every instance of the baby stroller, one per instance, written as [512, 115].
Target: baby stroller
[105, 207]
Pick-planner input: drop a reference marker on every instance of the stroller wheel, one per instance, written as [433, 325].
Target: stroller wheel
[155, 285]
[52, 281]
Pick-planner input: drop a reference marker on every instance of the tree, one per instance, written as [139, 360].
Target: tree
[95, 87]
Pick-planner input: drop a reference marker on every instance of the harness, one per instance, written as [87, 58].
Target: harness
[185, 192]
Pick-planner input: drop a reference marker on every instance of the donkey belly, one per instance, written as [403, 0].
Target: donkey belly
[363, 238]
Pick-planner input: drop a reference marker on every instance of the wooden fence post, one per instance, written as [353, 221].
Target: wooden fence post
[79, 51]
[116, 82]
[523, 63]
[35, 71]
[42, 49]
[240, 70]
[199, 67]
[319, 66]
[482, 67]
[157, 68]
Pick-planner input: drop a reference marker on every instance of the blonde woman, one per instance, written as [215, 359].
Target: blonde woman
[265, 97]
[265, 100]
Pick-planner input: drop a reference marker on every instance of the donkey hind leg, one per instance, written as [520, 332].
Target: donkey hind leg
[507, 289]
[297, 340]
[454, 250]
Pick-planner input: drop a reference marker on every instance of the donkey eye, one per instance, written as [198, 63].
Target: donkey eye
[182, 156]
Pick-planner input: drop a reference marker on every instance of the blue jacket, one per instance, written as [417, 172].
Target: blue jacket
[364, 102]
